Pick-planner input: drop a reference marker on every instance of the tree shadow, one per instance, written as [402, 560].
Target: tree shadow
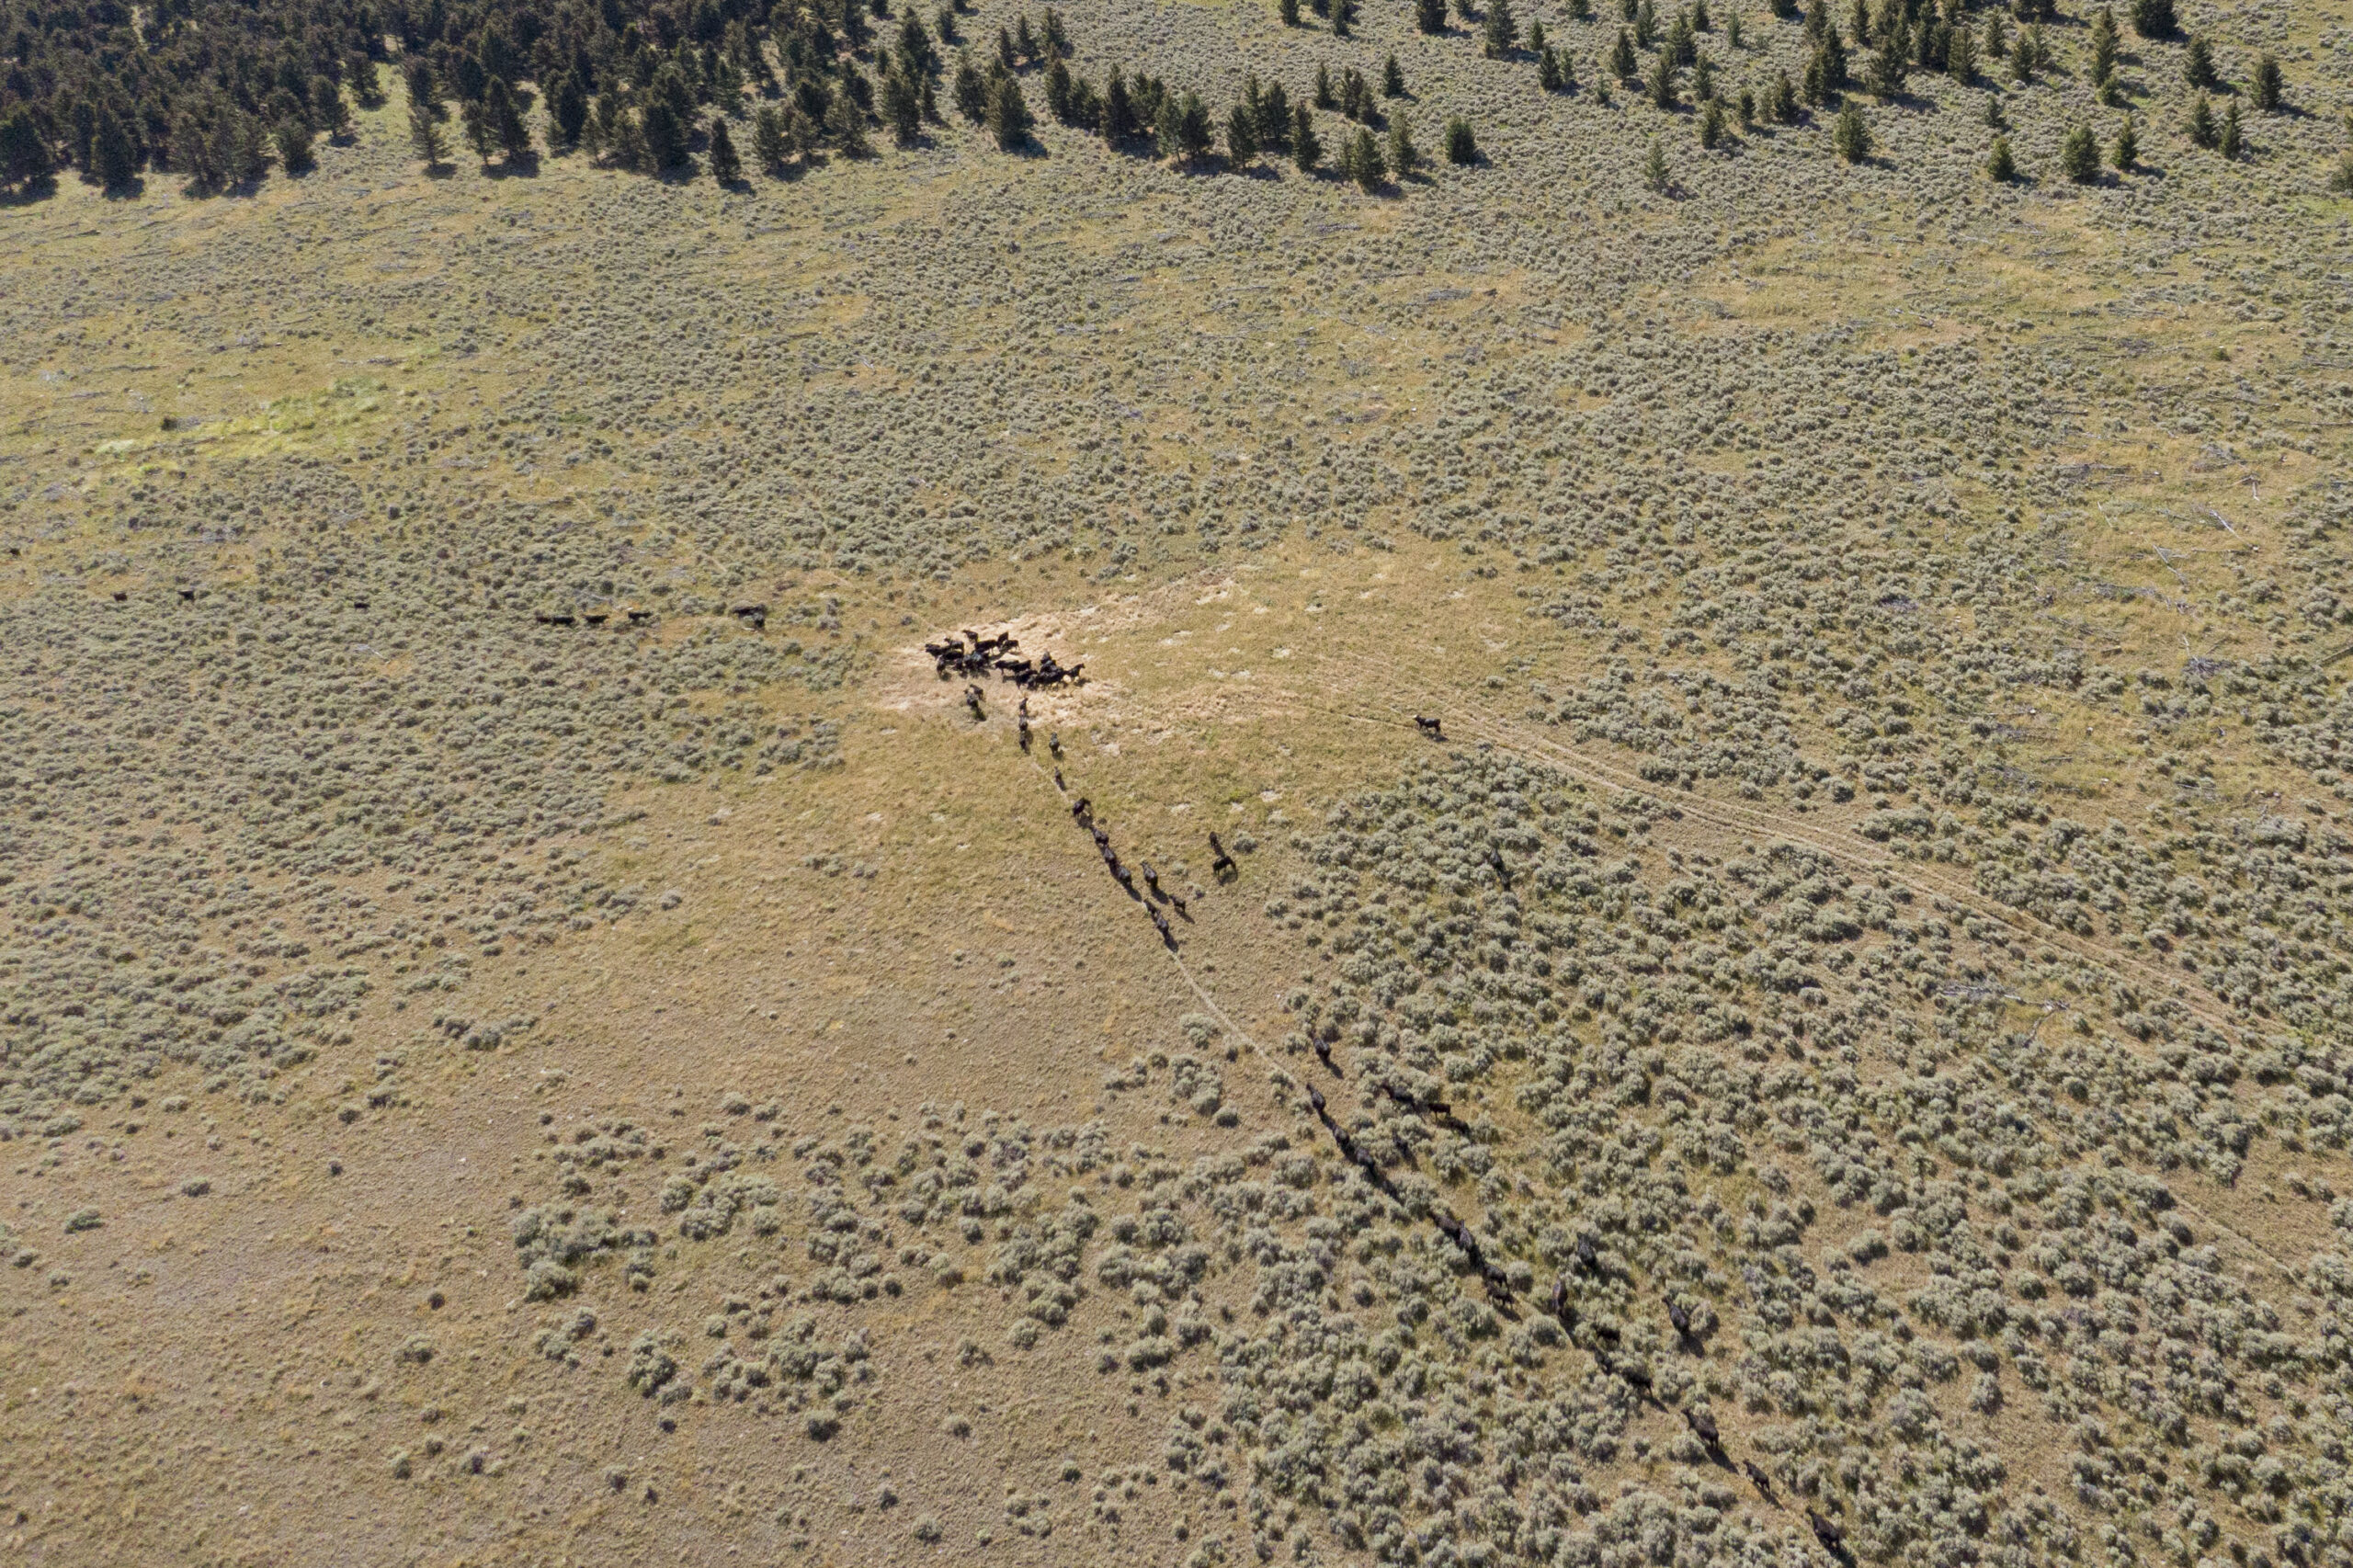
[33, 190]
[522, 166]
[131, 189]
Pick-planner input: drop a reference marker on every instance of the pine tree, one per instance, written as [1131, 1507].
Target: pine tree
[1535, 44]
[1058, 89]
[567, 111]
[1645, 24]
[2103, 45]
[1344, 16]
[2152, 18]
[1548, 71]
[1887, 72]
[1850, 136]
[2229, 144]
[1712, 124]
[1119, 122]
[2079, 156]
[846, 123]
[1195, 134]
[2201, 122]
[1781, 99]
[2000, 167]
[1826, 74]
[1289, 11]
[506, 122]
[1392, 77]
[1430, 15]
[1703, 79]
[1362, 163]
[1960, 56]
[1057, 34]
[1460, 146]
[972, 93]
[1306, 152]
[1274, 118]
[666, 135]
[2266, 88]
[293, 140]
[1655, 175]
[1008, 114]
[1005, 58]
[1623, 63]
[2127, 153]
[901, 108]
[1747, 109]
[1025, 42]
[1997, 43]
[1241, 137]
[2341, 178]
[1732, 39]
[1859, 23]
[1404, 156]
[1580, 10]
[769, 144]
[328, 111]
[114, 160]
[726, 166]
[2198, 66]
[1323, 95]
[1501, 32]
[1662, 83]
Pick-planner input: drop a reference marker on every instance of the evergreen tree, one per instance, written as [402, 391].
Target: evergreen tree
[328, 111]
[665, 136]
[1008, 114]
[1993, 111]
[1662, 83]
[1460, 146]
[1548, 71]
[507, 121]
[1850, 136]
[2103, 45]
[2198, 66]
[1997, 43]
[1241, 136]
[1859, 23]
[916, 57]
[1194, 135]
[1712, 124]
[1623, 63]
[292, 140]
[1324, 96]
[1274, 118]
[1430, 15]
[768, 143]
[2000, 167]
[2079, 155]
[114, 159]
[972, 93]
[1404, 156]
[2266, 89]
[1655, 175]
[567, 109]
[1005, 58]
[1058, 89]
[846, 123]
[247, 148]
[902, 110]
[1580, 10]
[1306, 152]
[2127, 153]
[1781, 100]
[1120, 121]
[1288, 10]
[1732, 39]
[1392, 77]
[2341, 178]
[725, 167]
[1501, 32]
[1567, 69]
[1887, 72]
[1025, 42]
[1057, 34]
[1682, 43]
[1645, 24]
[2152, 18]
[1344, 16]
[2202, 130]
[1826, 74]
[1960, 56]
[1747, 109]
[1703, 79]
[2229, 144]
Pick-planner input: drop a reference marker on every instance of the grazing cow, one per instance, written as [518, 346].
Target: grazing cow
[1703, 1426]
[1679, 1318]
[972, 701]
[1177, 902]
[1058, 781]
[1022, 728]
[188, 596]
[362, 604]
[1054, 742]
[1079, 811]
[1561, 1308]
[754, 616]
[1760, 1479]
[1588, 1255]
[594, 618]
[639, 616]
[121, 596]
[1833, 1538]
[1315, 1099]
[1429, 727]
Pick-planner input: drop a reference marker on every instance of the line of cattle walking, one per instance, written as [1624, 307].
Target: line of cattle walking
[975, 656]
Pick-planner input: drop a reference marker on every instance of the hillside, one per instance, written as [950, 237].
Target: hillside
[1693, 902]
